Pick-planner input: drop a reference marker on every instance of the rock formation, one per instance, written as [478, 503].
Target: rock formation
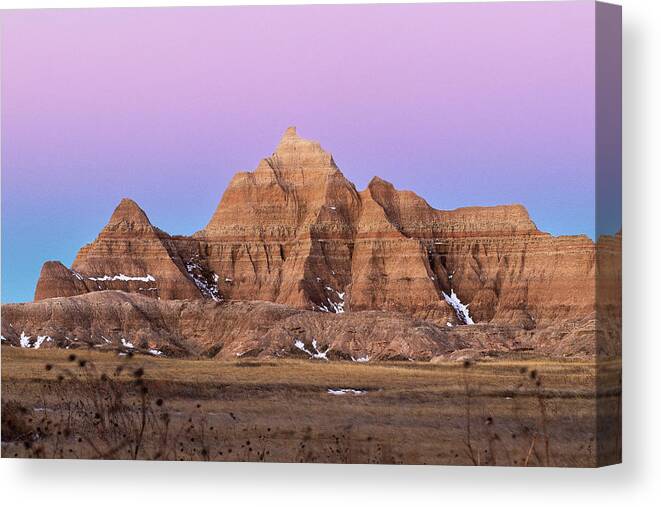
[133, 323]
[297, 233]
[129, 254]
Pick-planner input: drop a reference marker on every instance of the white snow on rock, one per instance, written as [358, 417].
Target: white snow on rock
[339, 307]
[123, 278]
[333, 306]
[25, 340]
[40, 340]
[364, 359]
[127, 344]
[460, 309]
[208, 289]
[341, 391]
[316, 353]
[155, 352]
[27, 344]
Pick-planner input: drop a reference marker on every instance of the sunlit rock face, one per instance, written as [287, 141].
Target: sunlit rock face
[295, 231]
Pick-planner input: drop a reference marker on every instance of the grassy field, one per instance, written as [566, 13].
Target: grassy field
[99, 405]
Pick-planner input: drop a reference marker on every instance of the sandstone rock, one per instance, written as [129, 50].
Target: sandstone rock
[126, 322]
[57, 280]
[129, 254]
[284, 232]
[391, 271]
[296, 232]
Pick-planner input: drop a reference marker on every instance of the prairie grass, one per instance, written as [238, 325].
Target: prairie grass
[99, 405]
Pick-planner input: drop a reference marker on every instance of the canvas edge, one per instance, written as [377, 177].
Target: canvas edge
[608, 215]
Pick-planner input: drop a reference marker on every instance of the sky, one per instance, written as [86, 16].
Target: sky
[465, 104]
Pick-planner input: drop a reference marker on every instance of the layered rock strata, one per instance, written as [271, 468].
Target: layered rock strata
[296, 232]
[132, 323]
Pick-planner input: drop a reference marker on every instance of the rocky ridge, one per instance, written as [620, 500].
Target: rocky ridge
[133, 323]
[297, 233]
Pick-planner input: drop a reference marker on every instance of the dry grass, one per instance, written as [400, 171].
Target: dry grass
[496, 413]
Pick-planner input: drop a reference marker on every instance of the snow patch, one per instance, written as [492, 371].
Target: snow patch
[39, 340]
[339, 306]
[155, 352]
[341, 391]
[459, 308]
[123, 278]
[316, 353]
[207, 288]
[25, 340]
[127, 344]
[364, 359]
[333, 306]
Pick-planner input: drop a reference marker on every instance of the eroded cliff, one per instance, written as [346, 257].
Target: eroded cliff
[296, 232]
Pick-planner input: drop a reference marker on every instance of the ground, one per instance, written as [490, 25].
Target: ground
[84, 404]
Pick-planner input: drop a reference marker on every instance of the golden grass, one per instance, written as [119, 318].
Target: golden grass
[22, 364]
[411, 413]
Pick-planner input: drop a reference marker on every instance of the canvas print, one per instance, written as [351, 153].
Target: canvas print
[382, 234]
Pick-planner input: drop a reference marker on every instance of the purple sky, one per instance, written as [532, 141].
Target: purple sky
[467, 104]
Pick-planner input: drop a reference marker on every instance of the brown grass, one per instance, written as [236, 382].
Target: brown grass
[493, 413]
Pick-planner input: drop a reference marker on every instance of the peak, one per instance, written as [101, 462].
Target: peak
[380, 188]
[377, 181]
[128, 211]
[290, 132]
[295, 153]
[291, 138]
[53, 267]
[129, 205]
[127, 202]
